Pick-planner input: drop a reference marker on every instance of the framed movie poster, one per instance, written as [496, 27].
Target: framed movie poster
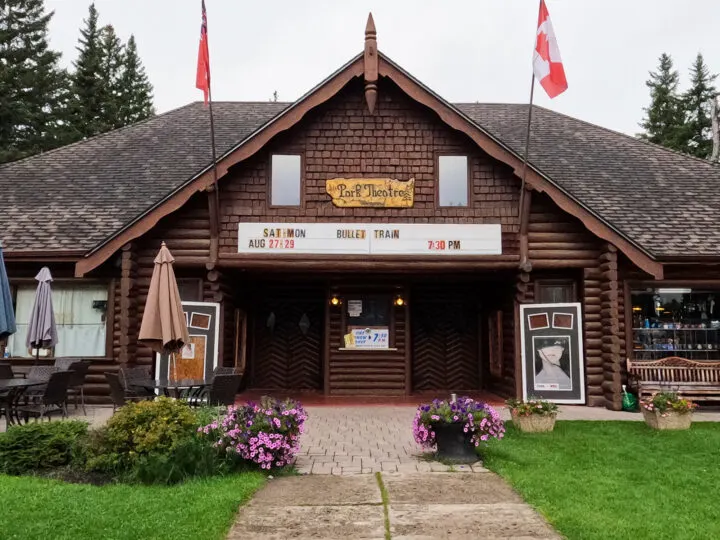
[199, 357]
[553, 366]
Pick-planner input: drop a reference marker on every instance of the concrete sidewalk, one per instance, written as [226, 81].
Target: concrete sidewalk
[460, 506]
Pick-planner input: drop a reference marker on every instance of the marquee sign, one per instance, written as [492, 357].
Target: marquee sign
[449, 239]
[371, 192]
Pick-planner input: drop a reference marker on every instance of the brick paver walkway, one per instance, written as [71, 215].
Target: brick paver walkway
[363, 440]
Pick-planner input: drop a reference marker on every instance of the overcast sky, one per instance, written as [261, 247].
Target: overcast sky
[465, 50]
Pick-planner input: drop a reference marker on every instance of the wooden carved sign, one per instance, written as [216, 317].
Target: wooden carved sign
[371, 192]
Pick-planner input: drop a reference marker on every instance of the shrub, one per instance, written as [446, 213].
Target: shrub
[139, 433]
[539, 407]
[480, 420]
[267, 433]
[665, 402]
[40, 446]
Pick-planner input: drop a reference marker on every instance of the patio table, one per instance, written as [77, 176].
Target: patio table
[11, 391]
[190, 387]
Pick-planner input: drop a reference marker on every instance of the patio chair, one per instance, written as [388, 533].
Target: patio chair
[77, 381]
[222, 391]
[42, 373]
[39, 373]
[6, 371]
[65, 363]
[53, 398]
[117, 392]
[129, 375]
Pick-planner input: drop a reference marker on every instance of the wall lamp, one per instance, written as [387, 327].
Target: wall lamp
[399, 301]
[335, 300]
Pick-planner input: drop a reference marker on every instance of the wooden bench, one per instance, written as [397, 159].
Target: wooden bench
[699, 381]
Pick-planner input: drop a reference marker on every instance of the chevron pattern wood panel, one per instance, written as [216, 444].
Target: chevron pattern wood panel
[445, 343]
[284, 356]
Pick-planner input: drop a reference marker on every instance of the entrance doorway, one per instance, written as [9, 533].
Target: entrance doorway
[445, 340]
[287, 338]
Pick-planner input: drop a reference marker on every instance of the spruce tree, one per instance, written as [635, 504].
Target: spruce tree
[111, 67]
[32, 85]
[697, 101]
[90, 91]
[664, 119]
[135, 90]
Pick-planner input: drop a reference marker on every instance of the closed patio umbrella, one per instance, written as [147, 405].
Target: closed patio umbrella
[7, 315]
[163, 327]
[42, 333]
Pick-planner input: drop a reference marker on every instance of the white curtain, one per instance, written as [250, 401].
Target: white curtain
[81, 328]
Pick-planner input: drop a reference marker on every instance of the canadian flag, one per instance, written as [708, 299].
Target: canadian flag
[547, 64]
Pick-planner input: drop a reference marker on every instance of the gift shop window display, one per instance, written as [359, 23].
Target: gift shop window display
[676, 322]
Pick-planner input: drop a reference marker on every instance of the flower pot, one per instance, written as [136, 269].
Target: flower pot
[670, 420]
[453, 444]
[534, 423]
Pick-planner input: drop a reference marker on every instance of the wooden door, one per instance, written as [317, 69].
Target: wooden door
[445, 342]
[287, 344]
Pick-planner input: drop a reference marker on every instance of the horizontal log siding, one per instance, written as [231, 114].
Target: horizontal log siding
[557, 240]
[186, 234]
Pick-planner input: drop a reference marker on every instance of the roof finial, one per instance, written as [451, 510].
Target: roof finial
[371, 64]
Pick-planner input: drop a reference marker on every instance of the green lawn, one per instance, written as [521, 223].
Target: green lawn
[605, 480]
[35, 508]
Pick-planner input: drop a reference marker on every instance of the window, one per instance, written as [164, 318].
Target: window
[453, 180]
[285, 182]
[548, 291]
[676, 321]
[368, 322]
[80, 316]
[190, 289]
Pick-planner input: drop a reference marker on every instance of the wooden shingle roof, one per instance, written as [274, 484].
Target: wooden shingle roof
[76, 197]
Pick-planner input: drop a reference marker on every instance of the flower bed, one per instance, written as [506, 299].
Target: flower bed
[267, 433]
[480, 421]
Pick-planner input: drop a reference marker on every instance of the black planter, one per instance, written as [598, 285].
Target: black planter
[454, 444]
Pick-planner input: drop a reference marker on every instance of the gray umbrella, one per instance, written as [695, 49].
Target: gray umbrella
[42, 333]
[7, 315]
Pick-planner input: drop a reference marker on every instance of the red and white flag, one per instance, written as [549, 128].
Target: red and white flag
[202, 79]
[547, 64]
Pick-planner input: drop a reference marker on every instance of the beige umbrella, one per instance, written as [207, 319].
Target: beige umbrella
[164, 328]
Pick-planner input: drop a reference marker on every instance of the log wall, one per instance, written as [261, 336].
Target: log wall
[366, 372]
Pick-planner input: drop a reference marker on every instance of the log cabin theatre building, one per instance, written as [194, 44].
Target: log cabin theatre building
[372, 238]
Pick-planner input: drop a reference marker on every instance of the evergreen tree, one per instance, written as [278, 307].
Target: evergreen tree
[32, 86]
[134, 88]
[111, 65]
[664, 119]
[90, 90]
[697, 101]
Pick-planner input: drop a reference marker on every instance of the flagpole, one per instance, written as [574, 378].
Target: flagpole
[212, 144]
[527, 145]
[214, 216]
[525, 265]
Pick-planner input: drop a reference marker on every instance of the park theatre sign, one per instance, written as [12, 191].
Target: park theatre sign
[369, 239]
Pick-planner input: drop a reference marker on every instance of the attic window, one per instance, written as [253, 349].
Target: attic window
[453, 180]
[285, 180]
